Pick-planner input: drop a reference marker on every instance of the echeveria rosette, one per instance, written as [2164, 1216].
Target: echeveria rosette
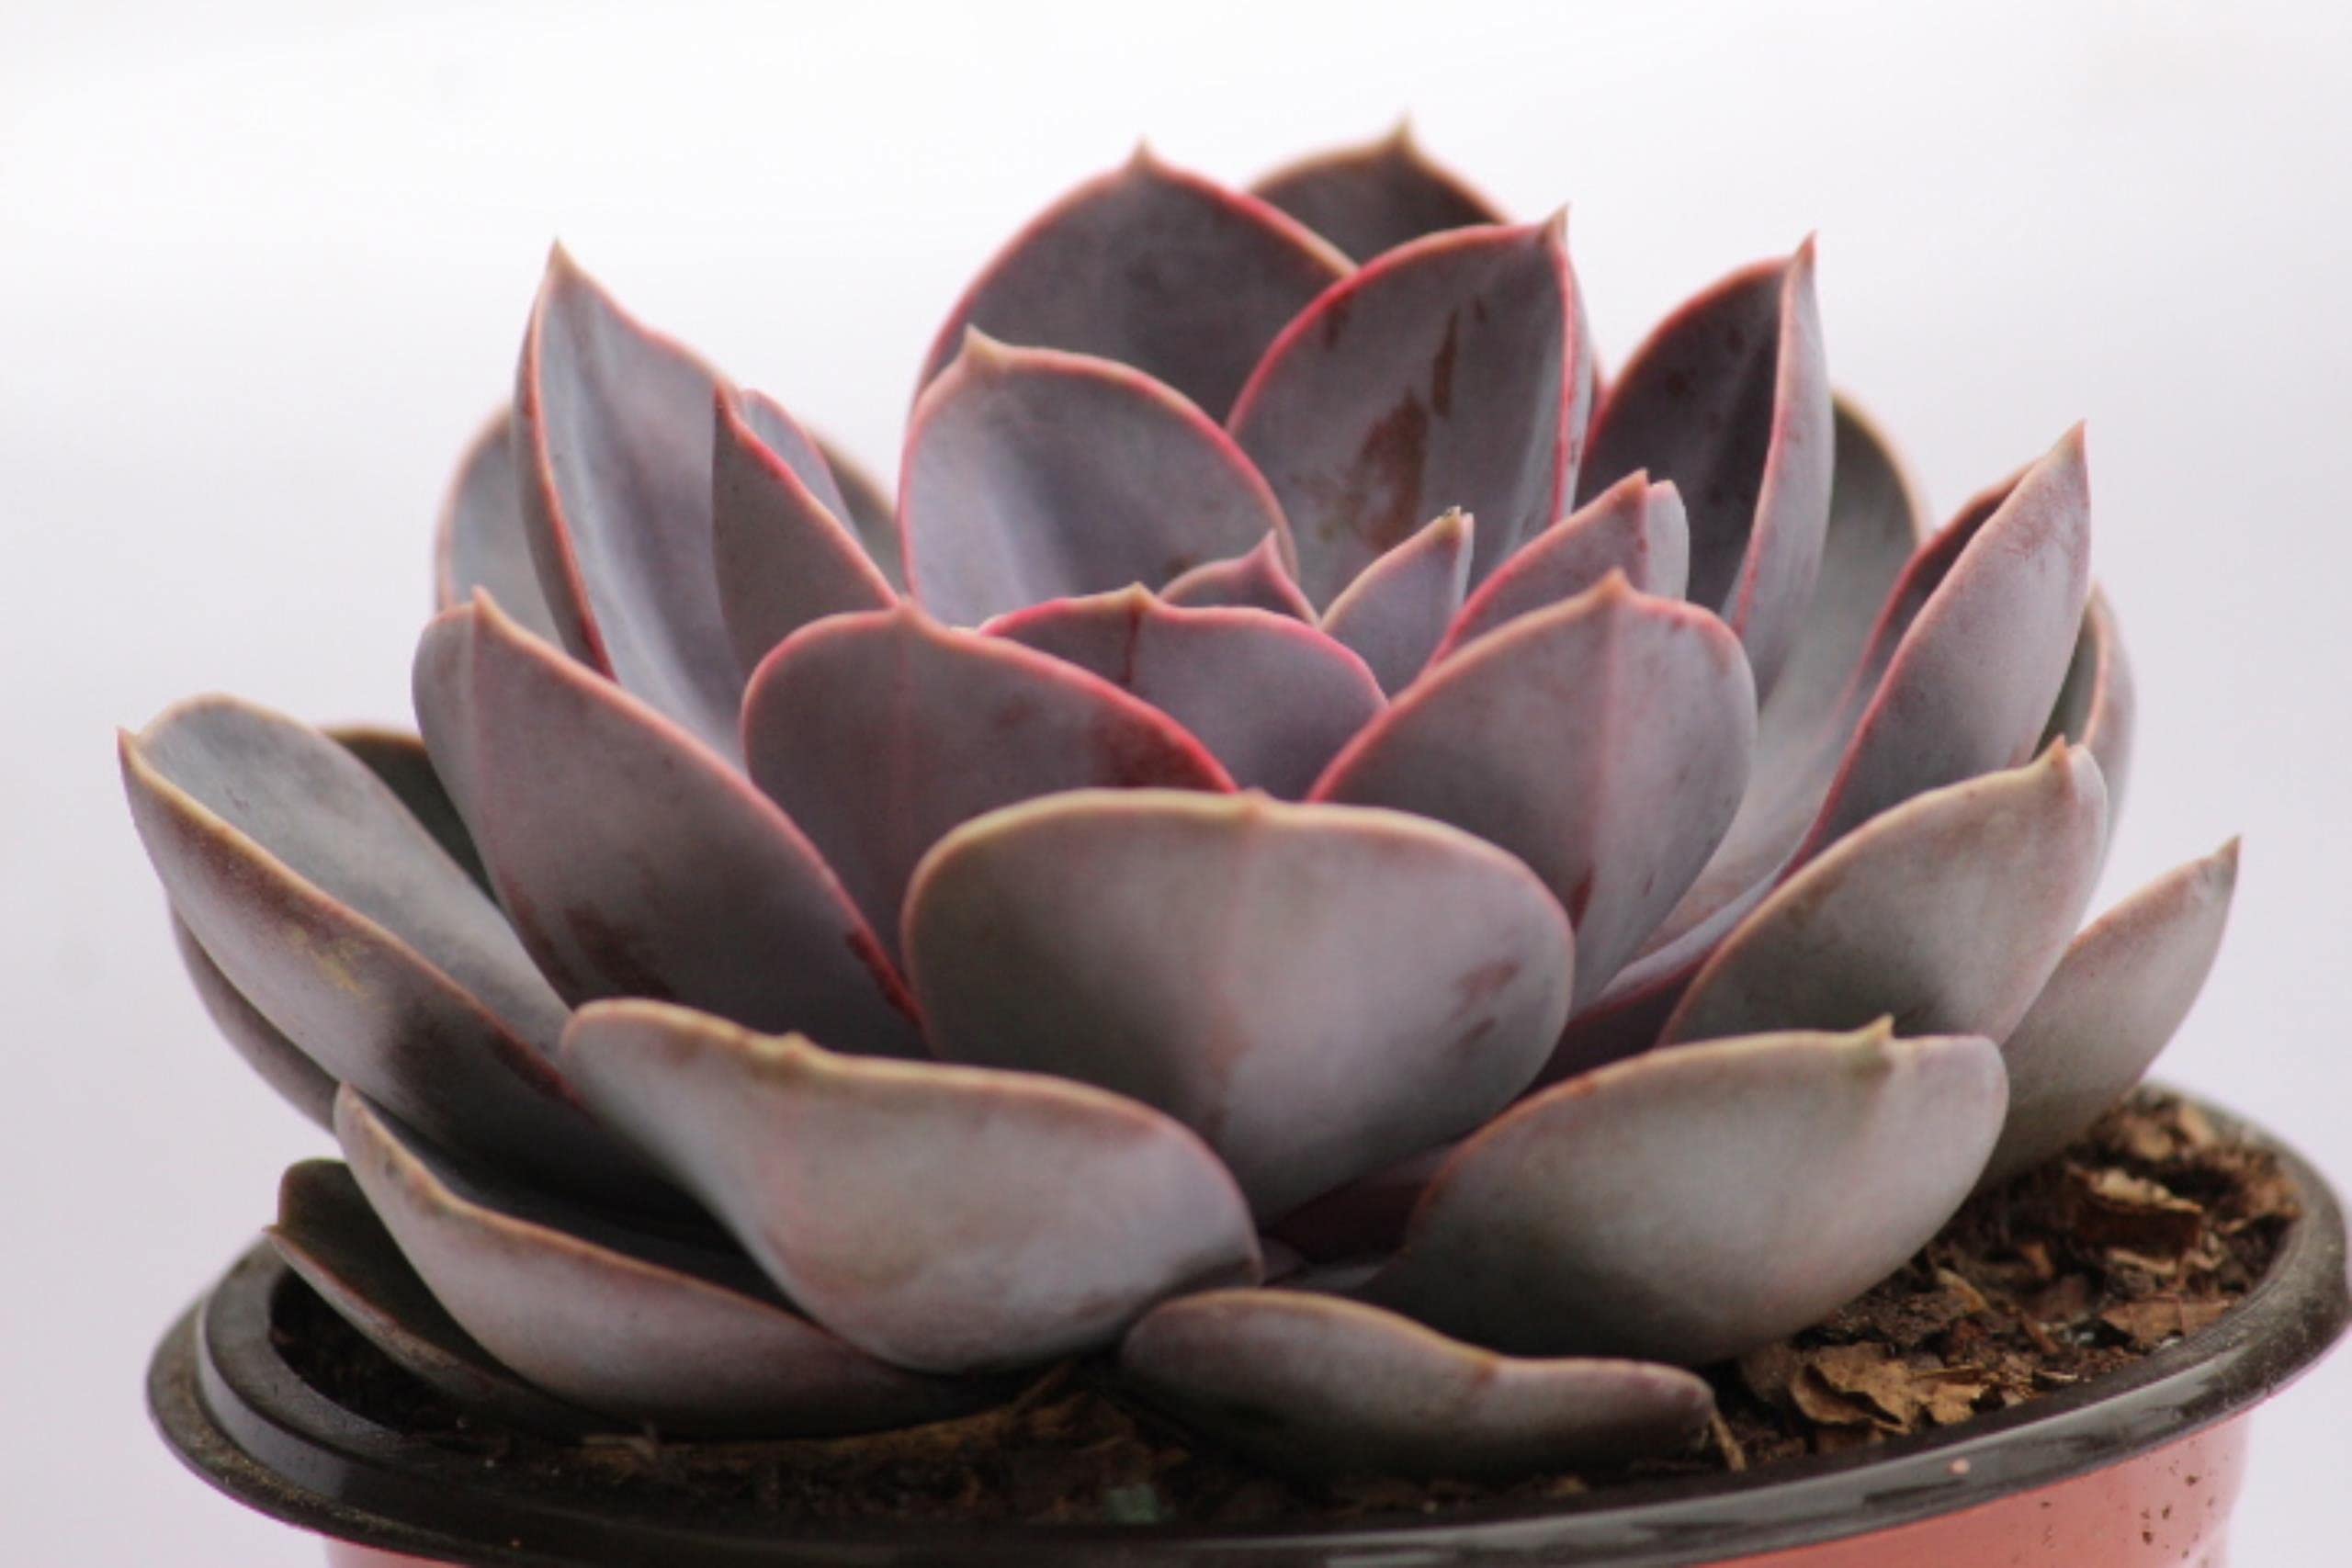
[1295, 762]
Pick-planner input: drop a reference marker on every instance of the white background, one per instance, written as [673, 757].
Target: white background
[261, 270]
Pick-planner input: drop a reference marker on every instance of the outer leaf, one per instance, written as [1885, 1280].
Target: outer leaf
[944, 1218]
[1258, 580]
[624, 1324]
[613, 441]
[2110, 1008]
[1633, 527]
[1730, 399]
[1271, 699]
[1692, 1204]
[1373, 198]
[1033, 474]
[660, 871]
[1154, 267]
[1316, 1385]
[782, 556]
[334, 914]
[1947, 912]
[1233, 960]
[281, 1064]
[878, 732]
[1451, 372]
[1398, 607]
[1604, 741]
[481, 540]
[326, 1234]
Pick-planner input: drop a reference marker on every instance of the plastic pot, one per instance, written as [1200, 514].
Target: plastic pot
[2133, 1470]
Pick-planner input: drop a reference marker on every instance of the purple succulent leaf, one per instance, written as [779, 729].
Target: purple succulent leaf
[2099, 703]
[1604, 741]
[1155, 267]
[878, 732]
[1318, 1386]
[1633, 527]
[613, 441]
[1946, 913]
[658, 871]
[1693, 1203]
[1231, 959]
[871, 513]
[277, 1061]
[1624, 1020]
[1979, 670]
[1876, 524]
[640, 1327]
[1396, 610]
[400, 761]
[1797, 764]
[481, 540]
[782, 556]
[336, 916]
[2110, 1007]
[1373, 198]
[1729, 399]
[768, 423]
[1033, 474]
[328, 1234]
[1453, 371]
[1255, 580]
[1271, 699]
[949, 1218]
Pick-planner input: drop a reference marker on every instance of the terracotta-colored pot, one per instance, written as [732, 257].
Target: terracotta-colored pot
[2133, 1470]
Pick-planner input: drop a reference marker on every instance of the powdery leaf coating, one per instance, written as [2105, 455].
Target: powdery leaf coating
[782, 556]
[1694, 1202]
[336, 916]
[1633, 527]
[613, 442]
[481, 540]
[1271, 699]
[1946, 913]
[1319, 1386]
[633, 1326]
[1155, 267]
[1604, 741]
[1373, 197]
[1234, 960]
[1256, 580]
[659, 872]
[951, 1218]
[1729, 399]
[277, 1061]
[2110, 1007]
[328, 1234]
[1033, 474]
[1451, 372]
[878, 732]
[1396, 610]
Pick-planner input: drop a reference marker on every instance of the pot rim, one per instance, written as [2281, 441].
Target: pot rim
[235, 1413]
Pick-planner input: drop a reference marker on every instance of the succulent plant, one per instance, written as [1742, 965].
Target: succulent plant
[1404, 896]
